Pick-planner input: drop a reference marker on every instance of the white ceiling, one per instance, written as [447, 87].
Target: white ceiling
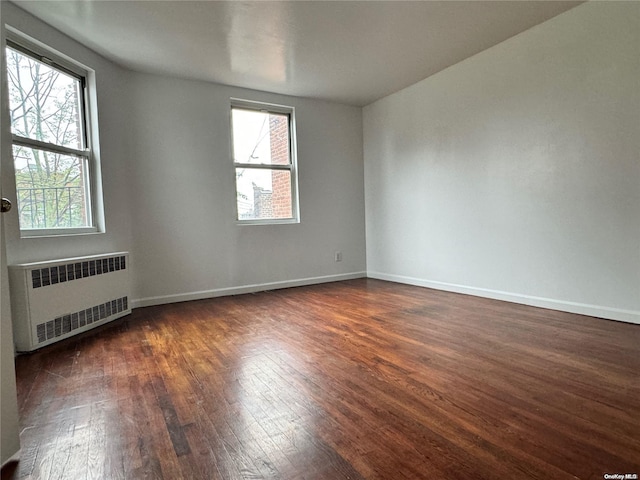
[350, 52]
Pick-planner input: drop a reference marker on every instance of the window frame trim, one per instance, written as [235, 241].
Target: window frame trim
[42, 53]
[292, 166]
[48, 146]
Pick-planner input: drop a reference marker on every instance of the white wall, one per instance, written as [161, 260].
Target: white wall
[516, 174]
[187, 244]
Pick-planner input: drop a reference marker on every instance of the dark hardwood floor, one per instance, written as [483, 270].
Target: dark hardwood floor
[361, 379]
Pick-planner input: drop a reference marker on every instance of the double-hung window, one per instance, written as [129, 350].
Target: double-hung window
[263, 145]
[52, 148]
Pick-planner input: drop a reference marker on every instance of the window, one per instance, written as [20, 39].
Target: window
[263, 143]
[52, 154]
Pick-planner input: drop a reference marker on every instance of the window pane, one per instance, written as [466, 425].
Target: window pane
[260, 137]
[45, 103]
[263, 194]
[51, 189]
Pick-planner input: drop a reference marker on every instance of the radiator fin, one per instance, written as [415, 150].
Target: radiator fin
[67, 323]
[43, 277]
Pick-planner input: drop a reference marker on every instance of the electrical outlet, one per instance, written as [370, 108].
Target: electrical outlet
[338, 256]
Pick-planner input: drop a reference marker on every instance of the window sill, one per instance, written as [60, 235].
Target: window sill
[58, 232]
[275, 221]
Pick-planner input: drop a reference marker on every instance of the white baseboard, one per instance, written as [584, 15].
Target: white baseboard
[258, 287]
[609, 313]
[13, 458]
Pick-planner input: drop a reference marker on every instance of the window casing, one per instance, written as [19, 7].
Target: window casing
[55, 164]
[264, 158]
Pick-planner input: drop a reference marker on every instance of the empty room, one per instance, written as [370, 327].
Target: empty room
[308, 240]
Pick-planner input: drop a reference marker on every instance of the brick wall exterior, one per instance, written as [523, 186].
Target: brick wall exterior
[281, 181]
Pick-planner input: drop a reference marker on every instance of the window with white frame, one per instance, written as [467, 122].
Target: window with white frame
[53, 158]
[263, 149]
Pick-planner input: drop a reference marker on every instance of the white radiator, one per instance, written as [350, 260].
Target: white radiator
[57, 299]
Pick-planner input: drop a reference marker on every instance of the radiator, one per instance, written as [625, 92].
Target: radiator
[57, 299]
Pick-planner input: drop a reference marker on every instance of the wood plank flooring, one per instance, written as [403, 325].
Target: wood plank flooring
[361, 379]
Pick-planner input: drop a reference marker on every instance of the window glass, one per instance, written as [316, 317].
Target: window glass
[50, 189]
[260, 137]
[45, 102]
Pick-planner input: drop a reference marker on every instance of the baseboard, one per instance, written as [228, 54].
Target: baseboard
[258, 287]
[13, 458]
[609, 313]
